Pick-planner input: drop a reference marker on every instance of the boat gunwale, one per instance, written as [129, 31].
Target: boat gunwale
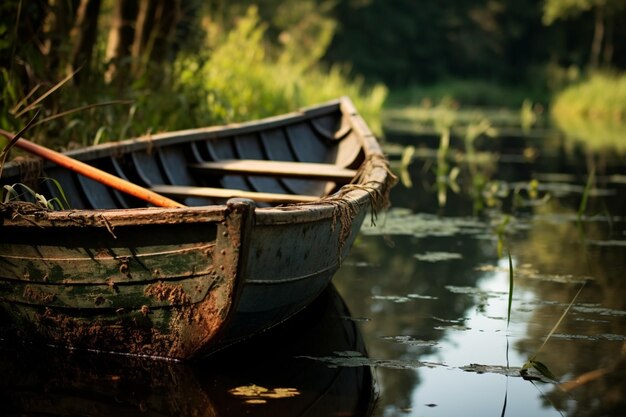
[190, 135]
[373, 179]
[111, 218]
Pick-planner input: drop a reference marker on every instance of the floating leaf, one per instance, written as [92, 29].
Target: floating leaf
[437, 256]
[256, 394]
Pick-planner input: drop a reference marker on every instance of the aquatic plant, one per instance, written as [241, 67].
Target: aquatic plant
[582, 208]
[500, 231]
[511, 282]
[528, 116]
[532, 362]
[405, 161]
[12, 193]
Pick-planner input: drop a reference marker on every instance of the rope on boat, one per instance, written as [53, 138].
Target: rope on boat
[345, 210]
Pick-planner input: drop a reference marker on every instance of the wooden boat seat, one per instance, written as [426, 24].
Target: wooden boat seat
[187, 191]
[305, 170]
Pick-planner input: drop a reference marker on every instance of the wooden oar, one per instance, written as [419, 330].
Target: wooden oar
[93, 173]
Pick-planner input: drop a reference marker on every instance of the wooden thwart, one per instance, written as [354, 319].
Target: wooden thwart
[185, 191]
[308, 170]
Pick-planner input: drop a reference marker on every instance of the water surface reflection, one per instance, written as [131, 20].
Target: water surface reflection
[435, 292]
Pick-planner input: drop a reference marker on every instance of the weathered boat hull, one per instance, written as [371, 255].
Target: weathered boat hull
[148, 286]
[112, 274]
[47, 381]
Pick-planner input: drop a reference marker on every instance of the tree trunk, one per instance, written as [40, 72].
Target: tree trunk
[120, 39]
[167, 14]
[144, 26]
[56, 30]
[607, 55]
[155, 25]
[598, 35]
[83, 37]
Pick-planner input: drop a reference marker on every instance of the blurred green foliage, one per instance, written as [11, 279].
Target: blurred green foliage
[154, 65]
[594, 111]
[404, 42]
[234, 71]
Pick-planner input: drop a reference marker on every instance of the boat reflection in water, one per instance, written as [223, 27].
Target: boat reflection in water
[265, 376]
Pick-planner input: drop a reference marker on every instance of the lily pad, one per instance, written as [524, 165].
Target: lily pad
[437, 256]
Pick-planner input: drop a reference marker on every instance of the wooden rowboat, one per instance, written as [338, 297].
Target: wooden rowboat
[273, 206]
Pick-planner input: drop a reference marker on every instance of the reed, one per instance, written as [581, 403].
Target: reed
[582, 207]
[22, 192]
[511, 282]
[532, 362]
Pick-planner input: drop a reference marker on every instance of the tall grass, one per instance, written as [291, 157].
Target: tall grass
[242, 79]
[238, 76]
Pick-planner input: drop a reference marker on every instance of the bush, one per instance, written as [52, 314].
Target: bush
[238, 75]
[601, 97]
[242, 79]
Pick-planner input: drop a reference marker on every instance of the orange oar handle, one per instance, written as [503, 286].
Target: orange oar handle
[93, 173]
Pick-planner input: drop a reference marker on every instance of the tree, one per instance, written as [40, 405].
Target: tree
[604, 17]
[141, 33]
[120, 39]
[83, 37]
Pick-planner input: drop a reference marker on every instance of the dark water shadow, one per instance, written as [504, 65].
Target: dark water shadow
[265, 376]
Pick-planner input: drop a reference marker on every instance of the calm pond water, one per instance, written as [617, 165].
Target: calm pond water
[433, 294]
[417, 321]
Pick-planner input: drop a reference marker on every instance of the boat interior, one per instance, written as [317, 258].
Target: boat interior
[287, 159]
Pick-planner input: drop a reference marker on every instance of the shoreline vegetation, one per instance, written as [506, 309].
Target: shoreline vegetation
[235, 75]
[594, 111]
[130, 72]
[591, 111]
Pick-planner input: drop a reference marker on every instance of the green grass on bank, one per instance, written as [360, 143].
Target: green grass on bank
[236, 78]
[473, 93]
[601, 97]
[591, 112]
[594, 111]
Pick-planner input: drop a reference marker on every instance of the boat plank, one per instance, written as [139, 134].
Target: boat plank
[70, 187]
[111, 266]
[103, 296]
[224, 150]
[96, 193]
[225, 193]
[307, 170]
[277, 148]
[248, 147]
